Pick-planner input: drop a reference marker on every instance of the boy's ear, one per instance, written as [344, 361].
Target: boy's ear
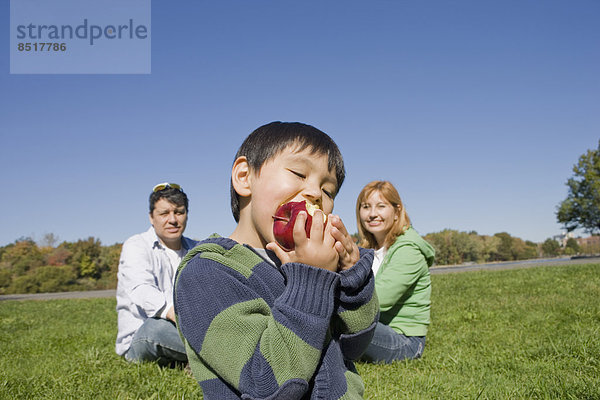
[240, 177]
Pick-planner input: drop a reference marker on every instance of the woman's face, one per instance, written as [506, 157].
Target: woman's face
[377, 216]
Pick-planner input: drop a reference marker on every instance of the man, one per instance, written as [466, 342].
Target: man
[149, 261]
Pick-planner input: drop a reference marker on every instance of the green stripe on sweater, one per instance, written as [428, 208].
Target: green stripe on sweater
[232, 337]
[237, 258]
[288, 355]
[234, 333]
[361, 318]
[355, 387]
[201, 372]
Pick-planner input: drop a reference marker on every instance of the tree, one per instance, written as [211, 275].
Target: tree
[49, 240]
[505, 251]
[581, 208]
[58, 256]
[490, 247]
[454, 247]
[85, 254]
[22, 256]
[572, 247]
[109, 266]
[532, 249]
[550, 248]
[523, 250]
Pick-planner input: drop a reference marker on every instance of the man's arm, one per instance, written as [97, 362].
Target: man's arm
[137, 278]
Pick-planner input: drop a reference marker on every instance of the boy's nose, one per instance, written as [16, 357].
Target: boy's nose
[313, 195]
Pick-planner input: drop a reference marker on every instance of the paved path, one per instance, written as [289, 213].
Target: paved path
[61, 295]
[434, 270]
[514, 264]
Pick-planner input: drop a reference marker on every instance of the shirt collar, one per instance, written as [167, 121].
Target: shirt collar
[267, 255]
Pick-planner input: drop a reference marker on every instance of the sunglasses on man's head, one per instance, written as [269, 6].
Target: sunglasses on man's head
[166, 185]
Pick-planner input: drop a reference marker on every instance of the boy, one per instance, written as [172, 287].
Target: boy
[261, 322]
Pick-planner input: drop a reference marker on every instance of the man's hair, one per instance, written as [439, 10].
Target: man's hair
[172, 195]
[401, 224]
[271, 139]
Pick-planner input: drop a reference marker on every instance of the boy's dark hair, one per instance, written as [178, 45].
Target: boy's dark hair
[172, 195]
[269, 140]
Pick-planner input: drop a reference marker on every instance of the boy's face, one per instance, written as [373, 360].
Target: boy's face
[289, 176]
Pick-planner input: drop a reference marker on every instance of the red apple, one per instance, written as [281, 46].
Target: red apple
[285, 218]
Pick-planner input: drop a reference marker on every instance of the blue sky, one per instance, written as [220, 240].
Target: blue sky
[475, 110]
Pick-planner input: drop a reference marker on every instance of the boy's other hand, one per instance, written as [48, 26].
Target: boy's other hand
[344, 244]
[318, 250]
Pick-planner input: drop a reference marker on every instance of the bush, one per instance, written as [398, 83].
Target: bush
[24, 284]
[5, 279]
[45, 279]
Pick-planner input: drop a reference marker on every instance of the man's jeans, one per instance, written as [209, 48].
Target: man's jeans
[388, 346]
[157, 340]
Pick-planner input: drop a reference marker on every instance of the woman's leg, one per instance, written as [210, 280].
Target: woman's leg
[388, 346]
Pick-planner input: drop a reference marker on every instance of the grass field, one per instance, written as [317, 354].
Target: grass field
[518, 334]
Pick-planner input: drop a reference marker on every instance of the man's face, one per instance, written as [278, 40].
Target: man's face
[169, 221]
[289, 176]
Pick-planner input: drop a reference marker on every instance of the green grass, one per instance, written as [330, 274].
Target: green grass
[518, 334]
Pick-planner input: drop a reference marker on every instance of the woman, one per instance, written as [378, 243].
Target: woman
[401, 268]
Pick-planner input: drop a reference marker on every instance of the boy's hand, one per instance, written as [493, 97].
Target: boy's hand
[318, 250]
[345, 246]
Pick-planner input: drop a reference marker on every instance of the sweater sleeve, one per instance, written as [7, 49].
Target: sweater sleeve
[357, 308]
[260, 350]
[402, 269]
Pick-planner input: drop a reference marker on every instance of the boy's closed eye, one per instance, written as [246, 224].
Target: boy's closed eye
[298, 174]
[328, 192]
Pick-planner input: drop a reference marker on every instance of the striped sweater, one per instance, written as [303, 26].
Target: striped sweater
[256, 331]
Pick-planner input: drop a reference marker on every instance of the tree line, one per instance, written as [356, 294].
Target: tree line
[454, 247]
[30, 267]
[26, 267]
